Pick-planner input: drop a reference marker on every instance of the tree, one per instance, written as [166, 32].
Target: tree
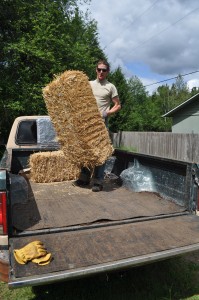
[179, 91]
[117, 121]
[39, 39]
[134, 108]
[194, 91]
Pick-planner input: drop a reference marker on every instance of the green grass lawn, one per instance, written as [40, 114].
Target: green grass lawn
[172, 279]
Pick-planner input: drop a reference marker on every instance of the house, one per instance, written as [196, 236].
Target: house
[185, 116]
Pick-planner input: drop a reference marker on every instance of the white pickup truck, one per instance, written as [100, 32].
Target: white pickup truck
[146, 212]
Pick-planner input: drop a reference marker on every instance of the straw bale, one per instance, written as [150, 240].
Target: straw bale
[74, 113]
[52, 167]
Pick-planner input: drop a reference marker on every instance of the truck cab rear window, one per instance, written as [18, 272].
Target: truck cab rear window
[27, 132]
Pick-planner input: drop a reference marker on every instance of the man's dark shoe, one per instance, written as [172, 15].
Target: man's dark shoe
[80, 182]
[97, 187]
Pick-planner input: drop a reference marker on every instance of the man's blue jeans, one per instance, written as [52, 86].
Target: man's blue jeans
[98, 175]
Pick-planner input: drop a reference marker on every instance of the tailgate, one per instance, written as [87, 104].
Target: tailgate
[78, 253]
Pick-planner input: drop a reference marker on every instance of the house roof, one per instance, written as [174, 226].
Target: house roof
[182, 105]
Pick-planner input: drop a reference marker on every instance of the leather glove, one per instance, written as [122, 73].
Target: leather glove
[30, 251]
[44, 260]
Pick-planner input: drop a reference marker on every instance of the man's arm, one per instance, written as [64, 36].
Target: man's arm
[116, 106]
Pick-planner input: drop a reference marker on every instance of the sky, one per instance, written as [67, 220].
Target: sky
[152, 39]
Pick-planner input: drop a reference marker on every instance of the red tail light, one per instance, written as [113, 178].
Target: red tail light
[3, 212]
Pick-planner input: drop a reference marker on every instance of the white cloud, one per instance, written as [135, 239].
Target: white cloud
[162, 35]
[193, 83]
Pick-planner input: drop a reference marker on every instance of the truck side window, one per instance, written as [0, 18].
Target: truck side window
[27, 132]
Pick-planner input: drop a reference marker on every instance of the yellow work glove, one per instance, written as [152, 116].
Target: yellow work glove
[44, 260]
[30, 251]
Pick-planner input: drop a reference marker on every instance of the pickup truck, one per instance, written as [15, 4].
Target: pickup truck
[146, 212]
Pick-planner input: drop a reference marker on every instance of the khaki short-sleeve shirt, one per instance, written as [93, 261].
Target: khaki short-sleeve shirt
[104, 92]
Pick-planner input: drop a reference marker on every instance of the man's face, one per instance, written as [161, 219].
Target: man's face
[102, 71]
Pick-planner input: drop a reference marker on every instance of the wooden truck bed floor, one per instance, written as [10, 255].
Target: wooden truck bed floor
[92, 247]
[97, 244]
[56, 205]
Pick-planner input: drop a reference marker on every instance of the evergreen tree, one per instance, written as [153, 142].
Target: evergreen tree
[117, 121]
[194, 91]
[179, 92]
[134, 109]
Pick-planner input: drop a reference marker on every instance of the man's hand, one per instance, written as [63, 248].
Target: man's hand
[104, 114]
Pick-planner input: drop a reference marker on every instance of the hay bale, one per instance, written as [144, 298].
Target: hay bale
[52, 167]
[74, 113]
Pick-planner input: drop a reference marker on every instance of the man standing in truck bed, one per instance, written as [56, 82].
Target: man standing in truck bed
[105, 94]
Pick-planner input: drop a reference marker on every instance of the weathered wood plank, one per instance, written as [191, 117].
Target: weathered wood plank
[177, 146]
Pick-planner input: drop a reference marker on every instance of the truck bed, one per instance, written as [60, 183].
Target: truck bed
[88, 233]
[67, 205]
[98, 249]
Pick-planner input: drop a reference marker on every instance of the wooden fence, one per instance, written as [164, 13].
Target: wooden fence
[176, 146]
